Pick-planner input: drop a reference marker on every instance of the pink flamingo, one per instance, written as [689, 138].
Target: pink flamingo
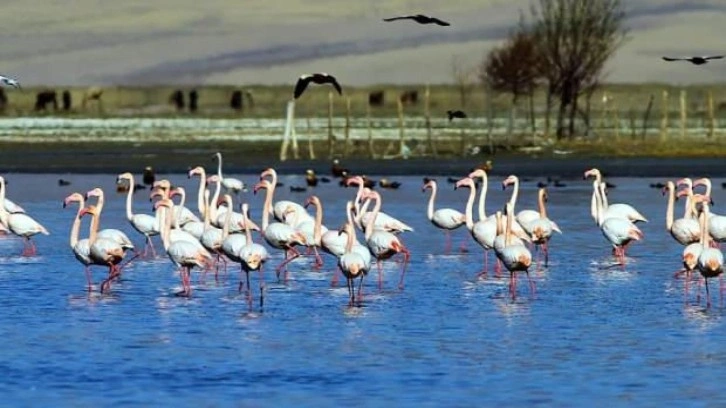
[516, 226]
[143, 223]
[484, 231]
[277, 234]
[182, 253]
[213, 237]
[281, 207]
[103, 250]
[383, 220]
[352, 264]
[20, 224]
[541, 228]
[447, 219]
[383, 244]
[112, 233]
[618, 231]
[716, 223]
[617, 209]
[684, 230]
[515, 257]
[180, 211]
[252, 257]
[710, 260]
[81, 247]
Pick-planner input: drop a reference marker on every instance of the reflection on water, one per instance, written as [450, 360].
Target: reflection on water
[593, 331]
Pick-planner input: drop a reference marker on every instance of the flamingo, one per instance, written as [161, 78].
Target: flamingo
[11, 207]
[691, 251]
[183, 213]
[716, 223]
[617, 209]
[20, 224]
[618, 231]
[112, 233]
[313, 228]
[383, 244]
[230, 184]
[213, 237]
[383, 220]
[352, 264]
[103, 250]
[515, 257]
[281, 207]
[447, 219]
[252, 257]
[278, 234]
[684, 230]
[182, 253]
[484, 231]
[81, 247]
[516, 226]
[143, 223]
[201, 200]
[710, 260]
[541, 228]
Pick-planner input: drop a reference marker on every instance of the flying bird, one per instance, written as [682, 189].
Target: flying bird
[9, 82]
[318, 78]
[455, 114]
[695, 60]
[420, 18]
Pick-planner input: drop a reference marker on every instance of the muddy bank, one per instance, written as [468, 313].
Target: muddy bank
[251, 158]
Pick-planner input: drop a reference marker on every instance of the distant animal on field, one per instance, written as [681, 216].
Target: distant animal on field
[7, 81]
[419, 18]
[3, 101]
[319, 79]
[193, 100]
[455, 114]
[694, 60]
[43, 98]
[66, 100]
[376, 98]
[177, 99]
[237, 102]
[409, 97]
[93, 93]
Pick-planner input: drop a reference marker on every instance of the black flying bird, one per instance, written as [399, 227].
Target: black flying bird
[694, 60]
[320, 79]
[420, 18]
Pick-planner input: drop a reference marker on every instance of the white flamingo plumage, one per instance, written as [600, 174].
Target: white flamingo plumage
[112, 233]
[447, 219]
[716, 222]
[312, 227]
[684, 230]
[81, 247]
[280, 208]
[383, 220]
[516, 227]
[515, 257]
[383, 244]
[12, 208]
[710, 260]
[278, 234]
[352, 264]
[618, 231]
[541, 228]
[230, 184]
[252, 256]
[20, 224]
[103, 250]
[145, 224]
[212, 237]
[610, 210]
[483, 231]
[181, 212]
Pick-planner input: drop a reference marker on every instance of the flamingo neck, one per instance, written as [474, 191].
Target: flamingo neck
[515, 193]
[76, 228]
[669, 208]
[468, 212]
[603, 197]
[166, 227]
[430, 210]
[318, 228]
[508, 228]
[99, 207]
[3, 213]
[358, 196]
[372, 220]
[129, 198]
[248, 233]
[271, 188]
[705, 237]
[213, 208]
[219, 166]
[593, 200]
[93, 229]
[267, 208]
[201, 200]
[350, 238]
[361, 211]
[483, 197]
[227, 217]
[542, 208]
[599, 213]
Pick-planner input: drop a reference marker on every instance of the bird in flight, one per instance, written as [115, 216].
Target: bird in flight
[420, 18]
[318, 78]
[455, 114]
[9, 82]
[695, 60]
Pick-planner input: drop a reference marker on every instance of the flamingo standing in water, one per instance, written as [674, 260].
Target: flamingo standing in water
[280, 208]
[541, 228]
[515, 257]
[20, 224]
[525, 216]
[181, 212]
[230, 184]
[112, 233]
[684, 230]
[314, 230]
[484, 231]
[252, 257]
[716, 223]
[617, 209]
[213, 237]
[618, 231]
[352, 264]
[182, 253]
[383, 244]
[103, 250]
[383, 220]
[145, 224]
[81, 247]
[710, 260]
[277, 234]
[447, 219]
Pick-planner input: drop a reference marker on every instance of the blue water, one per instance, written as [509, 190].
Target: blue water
[592, 335]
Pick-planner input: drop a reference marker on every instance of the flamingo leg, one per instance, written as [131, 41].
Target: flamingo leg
[708, 295]
[532, 286]
[483, 272]
[406, 258]
[546, 250]
[287, 260]
[512, 285]
[318, 259]
[498, 269]
[89, 279]
[241, 282]
[360, 289]
[262, 288]
[249, 291]
[349, 282]
[447, 247]
[334, 281]
[380, 274]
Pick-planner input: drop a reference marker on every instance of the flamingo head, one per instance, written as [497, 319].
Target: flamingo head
[163, 184]
[705, 181]
[465, 182]
[311, 200]
[368, 193]
[669, 186]
[96, 192]
[685, 182]
[91, 209]
[156, 192]
[591, 173]
[124, 176]
[427, 185]
[701, 198]
[268, 172]
[679, 194]
[544, 194]
[509, 180]
[478, 173]
[197, 170]
[217, 156]
[354, 180]
[162, 203]
[224, 200]
[75, 197]
[177, 192]
[253, 261]
[262, 184]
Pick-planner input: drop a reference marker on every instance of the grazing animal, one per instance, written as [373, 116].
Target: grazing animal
[419, 18]
[409, 97]
[177, 99]
[317, 78]
[455, 114]
[193, 100]
[66, 100]
[93, 93]
[376, 98]
[43, 98]
[698, 60]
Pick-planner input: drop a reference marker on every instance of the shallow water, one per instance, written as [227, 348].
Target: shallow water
[591, 332]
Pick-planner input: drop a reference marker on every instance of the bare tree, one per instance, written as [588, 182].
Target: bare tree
[463, 77]
[575, 40]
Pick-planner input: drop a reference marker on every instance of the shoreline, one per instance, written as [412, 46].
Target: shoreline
[243, 159]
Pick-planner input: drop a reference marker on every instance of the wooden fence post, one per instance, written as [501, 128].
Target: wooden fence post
[711, 118]
[331, 136]
[646, 117]
[684, 113]
[311, 149]
[369, 125]
[346, 148]
[400, 126]
[664, 117]
[289, 126]
[427, 116]
[616, 119]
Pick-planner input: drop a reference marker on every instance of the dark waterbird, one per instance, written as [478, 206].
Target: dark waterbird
[148, 176]
[385, 183]
[337, 170]
[317, 78]
[694, 60]
[455, 114]
[419, 18]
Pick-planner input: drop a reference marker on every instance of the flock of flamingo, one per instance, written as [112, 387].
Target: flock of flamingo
[217, 235]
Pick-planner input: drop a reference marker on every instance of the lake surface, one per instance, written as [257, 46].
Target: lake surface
[592, 335]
